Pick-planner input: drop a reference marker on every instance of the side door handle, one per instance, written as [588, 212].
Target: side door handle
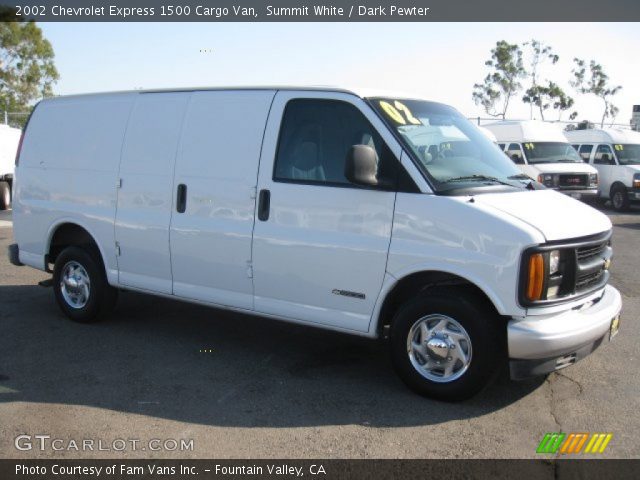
[181, 199]
[264, 204]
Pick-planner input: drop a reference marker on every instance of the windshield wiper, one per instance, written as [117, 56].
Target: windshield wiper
[519, 176]
[479, 178]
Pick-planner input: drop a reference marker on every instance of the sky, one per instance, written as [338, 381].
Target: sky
[435, 61]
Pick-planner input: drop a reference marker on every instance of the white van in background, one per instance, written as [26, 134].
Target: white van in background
[543, 153]
[615, 153]
[367, 214]
[489, 134]
[9, 139]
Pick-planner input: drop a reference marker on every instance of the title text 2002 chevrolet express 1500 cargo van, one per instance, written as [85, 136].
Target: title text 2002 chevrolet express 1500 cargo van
[369, 215]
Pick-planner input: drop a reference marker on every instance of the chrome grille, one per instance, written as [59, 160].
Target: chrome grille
[586, 253]
[590, 268]
[574, 180]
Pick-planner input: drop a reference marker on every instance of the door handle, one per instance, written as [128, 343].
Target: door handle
[264, 204]
[181, 199]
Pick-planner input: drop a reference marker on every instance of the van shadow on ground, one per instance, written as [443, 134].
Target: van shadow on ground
[147, 359]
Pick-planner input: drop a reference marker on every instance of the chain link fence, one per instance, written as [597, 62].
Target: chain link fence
[480, 121]
[14, 119]
[18, 119]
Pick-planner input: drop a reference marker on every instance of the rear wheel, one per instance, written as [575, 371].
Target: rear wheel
[80, 285]
[5, 196]
[447, 344]
[619, 198]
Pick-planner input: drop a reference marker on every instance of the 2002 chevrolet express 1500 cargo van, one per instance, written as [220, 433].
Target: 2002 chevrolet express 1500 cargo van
[370, 215]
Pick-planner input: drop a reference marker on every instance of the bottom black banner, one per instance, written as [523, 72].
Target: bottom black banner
[320, 469]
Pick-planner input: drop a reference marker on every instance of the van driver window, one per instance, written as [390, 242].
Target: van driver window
[316, 136]
[515, 153]
[604, 155]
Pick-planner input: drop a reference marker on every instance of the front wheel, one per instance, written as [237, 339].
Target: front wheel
[619, 199]
[447, 344]
[80, 285]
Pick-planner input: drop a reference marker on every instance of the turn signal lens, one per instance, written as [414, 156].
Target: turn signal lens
[536, 277]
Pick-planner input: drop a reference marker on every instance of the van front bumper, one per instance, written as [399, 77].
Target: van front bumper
[579, 193]
[542, 344]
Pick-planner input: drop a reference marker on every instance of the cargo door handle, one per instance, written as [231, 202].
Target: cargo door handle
[181, 200]
[264, 204]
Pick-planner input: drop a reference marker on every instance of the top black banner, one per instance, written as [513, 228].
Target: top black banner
[319, 11]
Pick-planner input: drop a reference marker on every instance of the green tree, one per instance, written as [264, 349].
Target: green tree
[503, 80]
[595, 82]
[549, 96]
[27, 69]
[538, 54]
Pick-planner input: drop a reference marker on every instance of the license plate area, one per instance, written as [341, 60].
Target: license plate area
[615, 327]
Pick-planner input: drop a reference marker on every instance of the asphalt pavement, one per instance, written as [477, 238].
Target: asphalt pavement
[242, 386]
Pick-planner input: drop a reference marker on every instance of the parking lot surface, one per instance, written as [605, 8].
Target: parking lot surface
[242, 386]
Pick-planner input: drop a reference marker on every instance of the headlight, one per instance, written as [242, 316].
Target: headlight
[544, 275]
[548, 179]
[554, 261]
[593, 180]
[636, 180]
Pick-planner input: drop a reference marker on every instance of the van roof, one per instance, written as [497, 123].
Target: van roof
[604, 135]
[359, 92]
[526, 131]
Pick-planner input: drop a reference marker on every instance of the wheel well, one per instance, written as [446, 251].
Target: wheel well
[70, 234]
[615, 185]
[413, 284]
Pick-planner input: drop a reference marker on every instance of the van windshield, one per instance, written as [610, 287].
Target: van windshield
[628, 154]
[451, 151]
[551, 152]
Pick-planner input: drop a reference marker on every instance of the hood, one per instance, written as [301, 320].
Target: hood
[563, 167]
[635, 168]
[556, 216]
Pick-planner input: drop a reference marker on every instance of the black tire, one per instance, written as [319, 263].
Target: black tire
[5, 196]
[101, 296]
[619, 198]
[485, 328]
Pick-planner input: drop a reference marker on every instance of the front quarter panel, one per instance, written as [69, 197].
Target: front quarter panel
[459, 236]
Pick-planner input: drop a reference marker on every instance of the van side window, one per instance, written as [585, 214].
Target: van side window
[515, 153]
[585, 152]
[316, 136]
[604, 155]
[502, 145]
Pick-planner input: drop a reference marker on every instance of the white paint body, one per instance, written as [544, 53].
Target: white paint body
[608, 174]
[534, 131]
[111, 164]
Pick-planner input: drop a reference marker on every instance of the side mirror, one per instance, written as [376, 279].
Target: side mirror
[361, 167]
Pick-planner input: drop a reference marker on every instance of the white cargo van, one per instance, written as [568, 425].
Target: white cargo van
[616, 155]
[369, 215]
[9, 139]
[543, 153]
